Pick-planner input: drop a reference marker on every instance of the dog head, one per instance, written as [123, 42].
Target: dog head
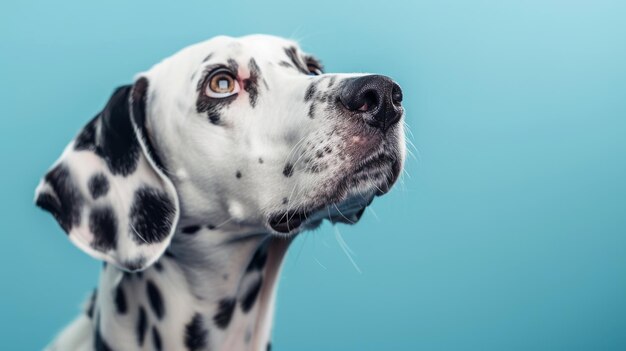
[249, 130]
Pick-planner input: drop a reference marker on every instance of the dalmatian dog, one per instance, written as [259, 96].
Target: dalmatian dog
[191, 183]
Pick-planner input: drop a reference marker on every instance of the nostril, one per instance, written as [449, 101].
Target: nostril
[396, 94]
[370, 100]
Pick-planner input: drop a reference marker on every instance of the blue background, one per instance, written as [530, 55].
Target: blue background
[507, 233]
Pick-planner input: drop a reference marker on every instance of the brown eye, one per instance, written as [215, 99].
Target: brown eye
[222, 84]
[314, 67]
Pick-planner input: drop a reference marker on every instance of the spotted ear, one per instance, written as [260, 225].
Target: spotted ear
[108, 190]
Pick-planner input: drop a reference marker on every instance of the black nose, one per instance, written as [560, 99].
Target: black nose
[377, 97]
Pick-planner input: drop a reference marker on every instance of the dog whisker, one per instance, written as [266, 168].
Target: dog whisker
[346, 249]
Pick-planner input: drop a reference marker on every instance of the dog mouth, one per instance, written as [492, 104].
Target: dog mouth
[347, 203]
[348, 211]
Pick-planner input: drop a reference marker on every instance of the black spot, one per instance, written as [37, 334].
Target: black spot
[319, 153]
[214, 118]
[259, 258]
[136, 264]
[224, 313]
[158, 266]
[117, 142]
[232, 64]
[120, 300]
[91, 305]
[156, 339]
[260, 160]
[251, 85]
[127, 275]
[285, 64]
[98, 342]
[98, 185]
[103, 225]
[142, 325]
[66, 202]
[292, 53]
[288, 170]
[238, 174]
[331, 82]
[86, 139]
[151, 216]
[192, 229]
[210, 226]
[311, 112]
[139, 96]
[196, 334]
[285, 200]
[268, 347]
[208, 57]
[155, 299]
[248, 299]
[310, 91]
[169, 254]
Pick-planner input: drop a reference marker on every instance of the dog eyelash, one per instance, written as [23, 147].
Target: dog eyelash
[314, 66]
[212, 72]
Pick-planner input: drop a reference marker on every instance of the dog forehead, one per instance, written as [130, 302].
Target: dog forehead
[258, 46]
[269, 48]
[192, 59]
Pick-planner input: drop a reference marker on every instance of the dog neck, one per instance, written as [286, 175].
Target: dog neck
[212, 289]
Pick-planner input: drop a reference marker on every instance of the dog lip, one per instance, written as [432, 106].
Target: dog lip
[288, 222]
[348, 211]
[338, 208]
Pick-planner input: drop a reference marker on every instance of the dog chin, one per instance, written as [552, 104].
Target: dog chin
[345, 206]
[348, 211]
[346, 203]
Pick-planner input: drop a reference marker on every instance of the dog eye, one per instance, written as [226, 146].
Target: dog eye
[315, 69]
[222, 84]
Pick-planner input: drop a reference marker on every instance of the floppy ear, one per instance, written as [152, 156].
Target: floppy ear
[108, 190]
